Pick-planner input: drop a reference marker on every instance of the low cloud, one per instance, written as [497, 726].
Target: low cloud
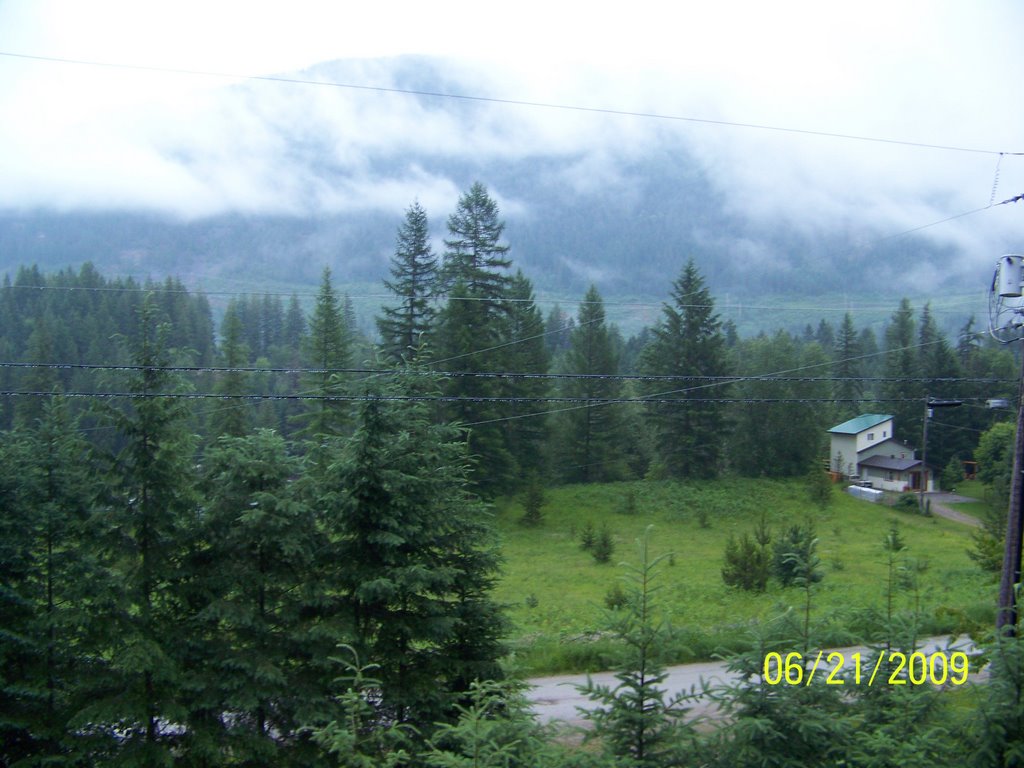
[261, 147]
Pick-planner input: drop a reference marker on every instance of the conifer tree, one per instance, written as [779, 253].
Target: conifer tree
[558, 328]
[847, 368]
[523, 328]
[42, 345]
[475, 254]
[404, 329]
[231, 417]
[779, 439]
[900, 367]
[294, 330]
[271, 324]
[471, 328]
[591, 448]
[250, 554]
[47, 570]
[637, 723]
[937, 363]
[415, 560]
[687, 342]
[825, 335]
[458, 341]
[327, 349]
[149, 505]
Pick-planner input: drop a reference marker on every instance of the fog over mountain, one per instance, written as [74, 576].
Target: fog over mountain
[266, 181]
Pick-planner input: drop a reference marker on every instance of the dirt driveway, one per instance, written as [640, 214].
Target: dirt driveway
[942, 505]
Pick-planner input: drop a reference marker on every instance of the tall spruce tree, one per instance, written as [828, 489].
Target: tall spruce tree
[419, 561]
[900, 391]
[592, 437]
[404, 329]
[250, 555]
[778, 438]
[847, 368]
[474, 252]
[149, 506]
[938, 364]
[231, 417]
[327, 350]
[526, 435]
[294, 331]
[687, 343]
[470, 331]
[495, 468]
[41, 349]
[47, 572]
[557, 329]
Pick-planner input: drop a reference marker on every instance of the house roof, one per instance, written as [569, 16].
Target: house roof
[885, 462]
[859, 424]
[888, 447]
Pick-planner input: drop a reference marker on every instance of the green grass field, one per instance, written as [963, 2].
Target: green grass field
[555, 591]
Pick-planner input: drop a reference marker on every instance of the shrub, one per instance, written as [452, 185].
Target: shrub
[615, 598]
[588, 537]
[746, 565]
[796, 558]
[702, 518]
[907, 502]
[533, 501]
[629, 503]
[953, 474]
[819, 487]
[604, 546]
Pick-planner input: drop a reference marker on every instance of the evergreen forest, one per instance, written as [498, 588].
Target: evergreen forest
[266, 539]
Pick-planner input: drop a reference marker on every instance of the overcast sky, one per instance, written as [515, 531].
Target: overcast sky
[939, 73]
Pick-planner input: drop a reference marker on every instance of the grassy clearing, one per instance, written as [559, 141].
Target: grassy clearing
[556, 591]
[972, 489]
[979, 507]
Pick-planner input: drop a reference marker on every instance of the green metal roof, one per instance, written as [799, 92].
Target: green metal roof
[860, 423]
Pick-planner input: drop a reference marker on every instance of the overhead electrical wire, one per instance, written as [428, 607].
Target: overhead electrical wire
[298, 81]
[587, 401]
[558, 106]
[725, 381]
[723, 306]
[659, 397]
[504, 101]
[501, 374]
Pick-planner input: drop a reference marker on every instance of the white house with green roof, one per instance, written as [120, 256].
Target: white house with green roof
[863, 448]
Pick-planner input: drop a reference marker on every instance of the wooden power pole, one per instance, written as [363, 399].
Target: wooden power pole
[1006, 617]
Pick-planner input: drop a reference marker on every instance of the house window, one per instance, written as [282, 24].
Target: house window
[871, 435]
[884, 433]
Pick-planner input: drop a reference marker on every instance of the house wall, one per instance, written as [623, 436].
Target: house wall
[879, 433]
[887, 480]
[883, 479]
[889, 447]
[846, 445]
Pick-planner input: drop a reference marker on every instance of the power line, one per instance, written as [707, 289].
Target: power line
[398, 372]
[504, 101]
[723, 382]
[904, 233]
[722, 306]
[588, 401]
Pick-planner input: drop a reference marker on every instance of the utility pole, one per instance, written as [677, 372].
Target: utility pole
[1006, 617]
[930, 403]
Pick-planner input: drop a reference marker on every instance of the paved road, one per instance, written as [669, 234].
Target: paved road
[557, 698]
